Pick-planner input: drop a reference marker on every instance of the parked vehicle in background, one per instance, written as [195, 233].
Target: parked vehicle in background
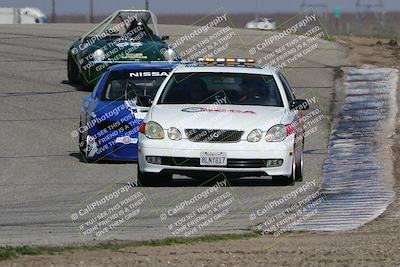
[26, 15]
[261, 24]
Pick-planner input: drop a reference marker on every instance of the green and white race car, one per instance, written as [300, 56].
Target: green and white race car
[123, 37]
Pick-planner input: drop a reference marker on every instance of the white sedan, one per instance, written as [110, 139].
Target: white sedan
[222, 116]
[261, 24]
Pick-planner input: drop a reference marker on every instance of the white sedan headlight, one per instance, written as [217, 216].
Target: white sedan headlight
[174, 134]
[276, 133]
[153, 130]
[99, 55]
[254, 136]
[169, 54]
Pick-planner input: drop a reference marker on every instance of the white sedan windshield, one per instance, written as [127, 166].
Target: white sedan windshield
[232, 88]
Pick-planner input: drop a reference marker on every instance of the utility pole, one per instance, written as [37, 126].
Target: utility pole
[318, 7]
[53, 11]
[147, 5]
[91, 18]
[307, 4]
[377, 9]
[257, 14]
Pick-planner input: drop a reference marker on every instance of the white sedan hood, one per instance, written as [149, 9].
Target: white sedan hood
[227, 117]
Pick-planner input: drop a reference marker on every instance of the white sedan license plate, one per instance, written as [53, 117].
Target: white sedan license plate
[213, 159]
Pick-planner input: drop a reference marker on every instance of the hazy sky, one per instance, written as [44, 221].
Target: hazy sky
[190, 6]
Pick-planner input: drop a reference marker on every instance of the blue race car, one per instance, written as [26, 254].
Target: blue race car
[111, 115]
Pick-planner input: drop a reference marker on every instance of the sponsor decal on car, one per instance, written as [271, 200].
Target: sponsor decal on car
[126, 140]
[198, 109]
[135, 55]
[148, 74]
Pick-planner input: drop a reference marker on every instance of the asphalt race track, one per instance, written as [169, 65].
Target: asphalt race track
[43, 178]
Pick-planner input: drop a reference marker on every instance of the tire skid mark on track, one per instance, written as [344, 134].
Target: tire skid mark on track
[27, 57]
[353, 191]
[32, 55]
[11, 94]
[41, 119]
[14, 35]
[31, 61]
[28, 37]
[35, 156]
[33, 81]
[39, 47]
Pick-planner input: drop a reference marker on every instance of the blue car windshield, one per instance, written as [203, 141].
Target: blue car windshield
[139, 86]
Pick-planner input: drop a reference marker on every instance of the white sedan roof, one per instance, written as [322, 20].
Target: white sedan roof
[233, 69]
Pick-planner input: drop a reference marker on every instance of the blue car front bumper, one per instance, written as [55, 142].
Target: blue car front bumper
[113, 146]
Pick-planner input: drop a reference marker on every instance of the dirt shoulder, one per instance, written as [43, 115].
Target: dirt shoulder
[375, 244]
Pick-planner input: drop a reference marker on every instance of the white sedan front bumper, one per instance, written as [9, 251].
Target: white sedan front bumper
[184, 155]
